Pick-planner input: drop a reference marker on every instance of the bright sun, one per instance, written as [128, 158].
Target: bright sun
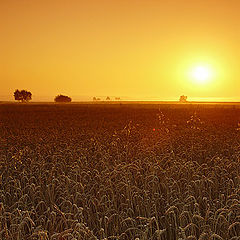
[201, 74]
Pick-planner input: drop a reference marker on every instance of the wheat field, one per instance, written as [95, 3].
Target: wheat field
[119, 172]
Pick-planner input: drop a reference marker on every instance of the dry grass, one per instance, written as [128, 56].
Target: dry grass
[87, 172]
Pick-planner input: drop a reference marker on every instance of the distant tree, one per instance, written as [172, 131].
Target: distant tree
[183, 99]
[62, 98]
[117, 98]
[23, 95]
[96, 99]
[17, 95]
[108, 98]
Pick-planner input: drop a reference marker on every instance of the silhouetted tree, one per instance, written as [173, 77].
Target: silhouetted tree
[183, 99]
[17, 95]
[62, 98]
[23, 95]
[108, 98]
[96, 99]
[117, 98]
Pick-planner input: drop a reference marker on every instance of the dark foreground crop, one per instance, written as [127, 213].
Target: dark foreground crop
[119, 172]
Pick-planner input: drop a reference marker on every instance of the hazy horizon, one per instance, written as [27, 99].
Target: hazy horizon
[139, 49]
[78, 98]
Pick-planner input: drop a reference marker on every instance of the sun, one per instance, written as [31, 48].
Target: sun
[201, 74]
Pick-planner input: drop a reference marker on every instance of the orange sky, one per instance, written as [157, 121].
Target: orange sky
[140, 49]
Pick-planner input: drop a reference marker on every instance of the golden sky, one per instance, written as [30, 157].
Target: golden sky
[140, 49]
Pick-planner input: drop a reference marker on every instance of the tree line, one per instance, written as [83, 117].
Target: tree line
[26, 96]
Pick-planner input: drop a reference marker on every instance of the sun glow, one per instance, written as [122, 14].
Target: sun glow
[201, 74]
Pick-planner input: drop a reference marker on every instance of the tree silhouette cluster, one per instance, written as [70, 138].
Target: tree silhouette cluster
[107, 99]
[62, 98]
[23, 95]
[96, 99]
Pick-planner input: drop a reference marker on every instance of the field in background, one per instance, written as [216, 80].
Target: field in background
[140, 104]
[119, 171]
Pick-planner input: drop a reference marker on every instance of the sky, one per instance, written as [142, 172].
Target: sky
[136, 49]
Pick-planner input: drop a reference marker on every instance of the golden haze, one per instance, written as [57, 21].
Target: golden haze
[137, 48]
